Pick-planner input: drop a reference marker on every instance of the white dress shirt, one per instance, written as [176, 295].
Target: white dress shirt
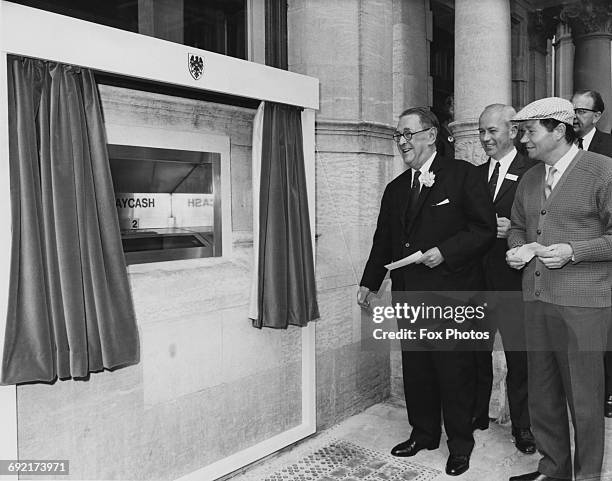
[587, 139]
[424, 168]
[504, 165]
[562, 164]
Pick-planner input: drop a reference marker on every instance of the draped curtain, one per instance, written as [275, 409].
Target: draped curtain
[70, 309]
[286, 291]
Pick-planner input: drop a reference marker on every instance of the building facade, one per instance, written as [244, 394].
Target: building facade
[209, 387]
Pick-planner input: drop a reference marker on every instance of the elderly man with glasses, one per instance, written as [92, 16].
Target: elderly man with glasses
[440, 209]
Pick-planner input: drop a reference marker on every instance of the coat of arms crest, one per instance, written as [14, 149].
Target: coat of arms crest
[196, 66]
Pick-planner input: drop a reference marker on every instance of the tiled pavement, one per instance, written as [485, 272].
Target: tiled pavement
[357, 449]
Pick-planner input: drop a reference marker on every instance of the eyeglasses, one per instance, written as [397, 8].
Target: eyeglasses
[581, 111]
[407, 134]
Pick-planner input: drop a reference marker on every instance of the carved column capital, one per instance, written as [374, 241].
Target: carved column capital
[542, 25]
[467, 142]
[589, 17]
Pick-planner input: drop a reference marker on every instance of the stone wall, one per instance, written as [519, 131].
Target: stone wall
[208, 384]
[348, 46]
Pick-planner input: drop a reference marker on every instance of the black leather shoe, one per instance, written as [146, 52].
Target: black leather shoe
[524, 441]
[457, 464]
[608, 406]
[481, 423]
[409, 448]
[535, 476]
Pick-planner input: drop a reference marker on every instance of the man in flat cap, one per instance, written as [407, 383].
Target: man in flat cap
[561, 237]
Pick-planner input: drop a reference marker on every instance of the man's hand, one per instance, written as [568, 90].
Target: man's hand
[513, 260]
[555, 256]
[431, 258]
[503, 226]
[362, 298]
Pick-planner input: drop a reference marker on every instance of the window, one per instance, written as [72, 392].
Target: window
[168, 202]
[215, 25]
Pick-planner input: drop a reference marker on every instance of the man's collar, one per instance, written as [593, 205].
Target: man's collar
[564, 161]
[506, 160]
[589, 136]
[427, 165]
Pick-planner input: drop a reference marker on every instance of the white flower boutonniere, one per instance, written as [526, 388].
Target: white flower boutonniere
[427, 179]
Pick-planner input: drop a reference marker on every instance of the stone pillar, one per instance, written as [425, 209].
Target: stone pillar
[591, 22]
[348, 46]
[564, 61]
[411, 41]
[482, 69]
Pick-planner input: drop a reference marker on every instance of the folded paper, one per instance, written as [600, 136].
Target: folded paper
[528, 251]
[411, 259]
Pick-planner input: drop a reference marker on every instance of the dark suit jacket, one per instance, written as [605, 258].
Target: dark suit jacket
[455, 215]
[499, 276]
[601, 143]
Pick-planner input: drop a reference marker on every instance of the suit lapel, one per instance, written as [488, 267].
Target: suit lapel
[436, 167]
[516, 168]
[595, 142]
[404, 199]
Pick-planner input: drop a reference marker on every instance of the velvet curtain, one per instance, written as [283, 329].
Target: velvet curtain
[286, 291]
[70, 309]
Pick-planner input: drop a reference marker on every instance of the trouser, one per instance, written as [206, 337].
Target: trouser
[565, 365]
[509, 319]
[434, 379]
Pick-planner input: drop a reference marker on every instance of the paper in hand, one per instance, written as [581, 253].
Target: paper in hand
[411, 259]
[528, 251]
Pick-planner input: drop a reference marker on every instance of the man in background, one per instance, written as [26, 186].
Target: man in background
[502, 173]
[588, 108]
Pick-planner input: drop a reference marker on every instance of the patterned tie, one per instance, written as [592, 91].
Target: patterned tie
[550, 179]
[580, 146]
[493, 179]
[415, 189]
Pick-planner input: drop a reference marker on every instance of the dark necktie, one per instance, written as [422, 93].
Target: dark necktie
[493, 179]
[415, 189]
[580, 146]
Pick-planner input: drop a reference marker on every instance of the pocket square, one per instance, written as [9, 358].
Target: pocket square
[445, 201]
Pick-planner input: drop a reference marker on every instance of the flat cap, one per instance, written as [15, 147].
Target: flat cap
[547, 108]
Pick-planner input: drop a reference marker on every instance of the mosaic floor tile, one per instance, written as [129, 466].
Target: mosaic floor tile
[345, 461]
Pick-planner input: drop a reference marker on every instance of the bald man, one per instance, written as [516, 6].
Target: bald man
[502, 173]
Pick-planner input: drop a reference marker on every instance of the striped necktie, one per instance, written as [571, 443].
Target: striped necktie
[550, 180]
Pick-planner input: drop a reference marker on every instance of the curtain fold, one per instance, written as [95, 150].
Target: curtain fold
[286, 291]
[70, 309]
[256, 174]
